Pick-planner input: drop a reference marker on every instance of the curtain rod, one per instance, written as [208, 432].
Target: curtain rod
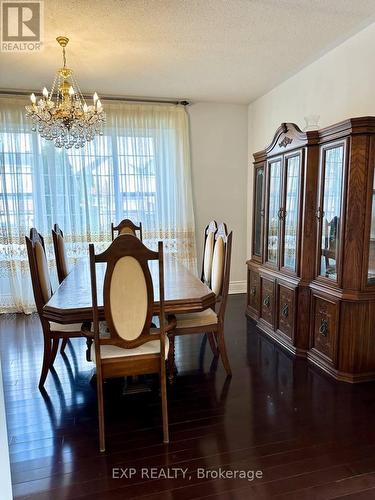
[107, 98]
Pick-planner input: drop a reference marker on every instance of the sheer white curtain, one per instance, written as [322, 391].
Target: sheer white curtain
[139, 169]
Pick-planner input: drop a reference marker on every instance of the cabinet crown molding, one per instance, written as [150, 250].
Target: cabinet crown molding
[287, 137]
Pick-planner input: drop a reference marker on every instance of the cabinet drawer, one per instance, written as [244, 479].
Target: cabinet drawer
[267, 306]
[325, 326]
[254, 291]
[286, 308]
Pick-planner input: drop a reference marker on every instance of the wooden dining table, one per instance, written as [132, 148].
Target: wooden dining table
[183, 292]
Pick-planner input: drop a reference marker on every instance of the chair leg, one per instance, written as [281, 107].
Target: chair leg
[223, 351]
[212, 341]
[46, 361]
[171, 359]
[164, 403]
[99, 386]
[55, 346]
[63, 345]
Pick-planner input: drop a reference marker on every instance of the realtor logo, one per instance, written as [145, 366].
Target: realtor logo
[21, 26]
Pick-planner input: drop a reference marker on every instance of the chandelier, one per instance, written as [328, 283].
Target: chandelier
[62, 115]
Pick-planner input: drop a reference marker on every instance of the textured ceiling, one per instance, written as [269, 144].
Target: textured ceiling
[213, 50]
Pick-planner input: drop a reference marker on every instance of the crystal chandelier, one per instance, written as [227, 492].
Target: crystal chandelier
[62, 115]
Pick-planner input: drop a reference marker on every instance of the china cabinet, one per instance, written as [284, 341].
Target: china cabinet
[282, 262]
[311, 276]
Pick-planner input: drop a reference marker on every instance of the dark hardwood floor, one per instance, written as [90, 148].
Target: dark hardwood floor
[310, 436]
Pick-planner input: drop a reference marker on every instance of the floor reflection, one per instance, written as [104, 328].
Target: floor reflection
[276, 414]
[296, 395]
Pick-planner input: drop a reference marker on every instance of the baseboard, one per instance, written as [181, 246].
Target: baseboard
[237, 287]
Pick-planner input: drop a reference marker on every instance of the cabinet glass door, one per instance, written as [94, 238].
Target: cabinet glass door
[291, 206]
[258, 211]
[273, 229]
[371, 256]
[330, 210]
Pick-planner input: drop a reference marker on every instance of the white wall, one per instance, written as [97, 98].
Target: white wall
[5, 480]
[339, 85]
[218, 135]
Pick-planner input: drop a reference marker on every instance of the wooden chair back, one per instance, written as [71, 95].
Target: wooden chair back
[220, 274]
[40, 277]
[60, 253]
[128, 294]
[208, 250]
[126, 226]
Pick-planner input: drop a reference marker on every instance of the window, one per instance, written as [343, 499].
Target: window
[139, 169]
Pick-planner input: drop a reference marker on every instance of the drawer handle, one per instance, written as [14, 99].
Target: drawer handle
[253, 291]
[323, 330]
[285, 310]
[267, 301]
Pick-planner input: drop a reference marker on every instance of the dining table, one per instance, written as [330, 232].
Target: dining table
[71, 302]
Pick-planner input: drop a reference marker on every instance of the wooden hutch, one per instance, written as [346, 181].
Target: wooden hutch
[311, 276]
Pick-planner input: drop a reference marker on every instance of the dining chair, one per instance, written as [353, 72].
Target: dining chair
[126, 226]
[41, 283]
[208, 251]
[209, 321]
[129, 346]
[60, 253]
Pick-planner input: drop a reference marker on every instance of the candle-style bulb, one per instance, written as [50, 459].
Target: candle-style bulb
[85, 108]
[98, 105]
[45, 92]
[95, 97]
[33, 98]
[71, 91]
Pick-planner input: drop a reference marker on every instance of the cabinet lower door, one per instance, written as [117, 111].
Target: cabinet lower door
[286, 304]
[267, 306]
[324, 328]
[254, 292]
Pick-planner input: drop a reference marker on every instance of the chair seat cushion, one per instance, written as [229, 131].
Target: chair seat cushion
[192, 320]
[58, 327]
[113, 351]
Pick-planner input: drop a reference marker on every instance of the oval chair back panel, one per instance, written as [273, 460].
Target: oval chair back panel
[217, 273]
[208, 251]
[127, 230]
[128, 299]
[62, 255]
[40, 278]
[42, 270]
[126, 226]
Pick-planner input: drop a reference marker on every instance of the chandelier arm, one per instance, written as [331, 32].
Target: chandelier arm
[79, 89]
